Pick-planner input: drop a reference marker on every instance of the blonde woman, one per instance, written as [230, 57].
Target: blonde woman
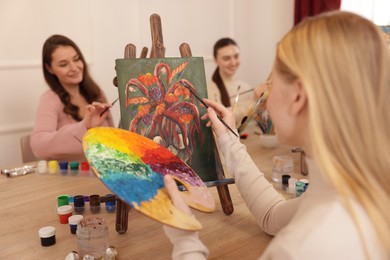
[330, 95]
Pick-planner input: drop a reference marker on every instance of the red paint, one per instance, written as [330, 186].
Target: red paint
[64, 212]
[84, 166]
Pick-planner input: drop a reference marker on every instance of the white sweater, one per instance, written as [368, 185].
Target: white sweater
[316, 225]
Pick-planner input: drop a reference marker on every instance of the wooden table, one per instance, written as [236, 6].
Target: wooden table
[29, 203]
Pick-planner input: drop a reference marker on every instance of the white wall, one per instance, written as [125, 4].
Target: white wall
[103, 27]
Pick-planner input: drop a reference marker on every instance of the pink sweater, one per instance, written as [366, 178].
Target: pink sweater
[57, 135]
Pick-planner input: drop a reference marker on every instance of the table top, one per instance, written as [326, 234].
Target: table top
[29, 203]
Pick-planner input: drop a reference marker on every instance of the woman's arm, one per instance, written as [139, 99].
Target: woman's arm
[270, 209]
[56, 135]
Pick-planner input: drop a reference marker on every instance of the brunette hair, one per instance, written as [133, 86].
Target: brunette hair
[216, 76]
[88, 88]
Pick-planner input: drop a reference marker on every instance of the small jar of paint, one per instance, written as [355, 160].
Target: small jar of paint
[291, 185]
[306, 183]
[62, 200]
[64, 212]
[84, 166]
[63, 166]
[299, 188]
[94, 203]
[73, 222]
[53, 166]
[42, 166]
[285, 178]
[110, 201]
[47, 235]
[74, 165]
[281, 165]
[78, 202]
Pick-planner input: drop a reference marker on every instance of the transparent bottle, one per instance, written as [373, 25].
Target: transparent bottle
[282, 165]
[92, 237]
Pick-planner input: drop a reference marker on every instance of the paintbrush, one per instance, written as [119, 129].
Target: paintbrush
[107, 108]
[251, 112]
[234, 107]
[201, 101]
[243, 92]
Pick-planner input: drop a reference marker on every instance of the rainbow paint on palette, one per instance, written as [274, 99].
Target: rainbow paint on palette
[132, 166]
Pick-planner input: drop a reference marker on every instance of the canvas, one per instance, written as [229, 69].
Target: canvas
[155, 103]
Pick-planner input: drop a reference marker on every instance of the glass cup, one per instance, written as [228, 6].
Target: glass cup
[92, 237]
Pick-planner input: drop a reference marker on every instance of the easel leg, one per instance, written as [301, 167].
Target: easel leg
[226, 200]
[122, 216]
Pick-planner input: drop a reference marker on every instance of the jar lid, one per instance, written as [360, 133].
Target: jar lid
[65, 209]
[75, 219]
[306, 181]
[47, 231]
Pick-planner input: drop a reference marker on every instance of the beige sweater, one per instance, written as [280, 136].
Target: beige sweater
[316, 225]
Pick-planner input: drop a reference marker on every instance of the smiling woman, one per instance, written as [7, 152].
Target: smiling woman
[73, 104]
[225, 87]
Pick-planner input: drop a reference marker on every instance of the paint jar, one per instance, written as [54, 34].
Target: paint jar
[53, 166]
[74, 165]
[47, 235]
[282, 164]
[299, 188]
[64, 212]
[285, 178]
[42, 166]
[110, 201]
[92, 237]
[84, 166]
[78, 202]
[94, 203]
[291, 185]
[62, 200]
[305, 184]
[73, 222]
[63, 165]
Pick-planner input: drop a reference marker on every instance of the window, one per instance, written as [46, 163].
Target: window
[375, 10]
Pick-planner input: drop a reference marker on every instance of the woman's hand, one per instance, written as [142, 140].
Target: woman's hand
[93, 117]
[216, 111]
[175, 195]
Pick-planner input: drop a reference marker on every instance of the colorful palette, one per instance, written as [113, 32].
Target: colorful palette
[132, 166]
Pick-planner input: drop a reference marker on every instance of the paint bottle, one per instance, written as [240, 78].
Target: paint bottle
[285, 178]
[306, 184]
[78, 202]
[94, 203]
[47, 235]
[42, 166]
[110, 201]
[282, 164]
[291, 185]
[53, 166]
[63, 167]
[74, 165]
[84, 166]
[62, 200]
[299, 188]
[64, 212]
[84, 169]
[73, 222]
[92, 237]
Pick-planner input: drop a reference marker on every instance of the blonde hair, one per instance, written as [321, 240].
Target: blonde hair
[344, 64]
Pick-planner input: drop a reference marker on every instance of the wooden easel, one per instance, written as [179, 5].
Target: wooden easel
[158, 51]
